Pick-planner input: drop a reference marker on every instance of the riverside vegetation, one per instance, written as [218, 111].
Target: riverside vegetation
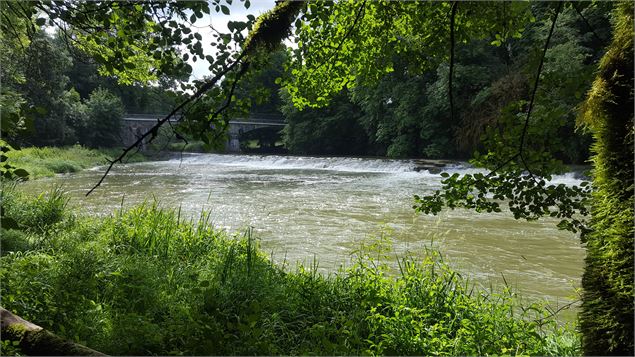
[48, 161]
[146, 281]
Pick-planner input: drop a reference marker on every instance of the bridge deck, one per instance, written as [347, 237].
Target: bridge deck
[237, 121]
[134, 125]
[264, 120]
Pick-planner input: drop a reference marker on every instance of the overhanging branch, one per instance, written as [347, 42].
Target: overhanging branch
[153, 131]
[455, 6]
[279, 19]
[337, 49]
[523, 137]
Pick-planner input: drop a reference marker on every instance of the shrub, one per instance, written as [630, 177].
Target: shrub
[48, 161]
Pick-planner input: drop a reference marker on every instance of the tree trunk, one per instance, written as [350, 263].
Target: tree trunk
[36, 341]
[606, 319]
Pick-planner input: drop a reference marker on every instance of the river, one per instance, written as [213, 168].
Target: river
[304, 207]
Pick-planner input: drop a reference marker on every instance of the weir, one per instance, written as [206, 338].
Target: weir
[134, 125]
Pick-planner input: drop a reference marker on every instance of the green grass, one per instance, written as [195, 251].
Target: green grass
[146, 281]
[48, 161]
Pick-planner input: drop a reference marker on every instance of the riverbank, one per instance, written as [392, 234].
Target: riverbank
[145, 281]
[332, 204]
[49, 161]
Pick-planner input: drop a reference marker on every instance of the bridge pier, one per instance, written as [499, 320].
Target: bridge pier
[233, 143]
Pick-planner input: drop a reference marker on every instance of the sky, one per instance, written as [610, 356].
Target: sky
[219, 21]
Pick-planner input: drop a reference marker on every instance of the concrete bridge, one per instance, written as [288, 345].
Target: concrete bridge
[134, 125]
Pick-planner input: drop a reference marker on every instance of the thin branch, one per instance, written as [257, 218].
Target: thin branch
[492, 172]
[455, 5]
[28, 17]
[152, 131]
[537, 80]
[15, 32]
[242, 71]
[346, 35]
[531, 174]
[531, 104]
[230, 96]
[575, 6]
[554, 313]
[192, 99]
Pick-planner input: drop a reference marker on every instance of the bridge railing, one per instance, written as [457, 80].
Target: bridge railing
[253, 117]
[262, 118]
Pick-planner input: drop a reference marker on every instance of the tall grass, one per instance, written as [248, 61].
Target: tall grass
[48, 161]
[144, 281]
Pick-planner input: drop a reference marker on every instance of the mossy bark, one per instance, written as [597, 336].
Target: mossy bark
[606, 320]
[36, 341]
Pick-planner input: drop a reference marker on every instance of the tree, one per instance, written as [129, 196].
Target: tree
[45, 85]
[14, 40]
[334, 130]
[105, 112]
[606, 320]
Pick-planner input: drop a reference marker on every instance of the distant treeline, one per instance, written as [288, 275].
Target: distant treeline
[67, 101]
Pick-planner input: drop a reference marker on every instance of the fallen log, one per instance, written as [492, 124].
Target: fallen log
[36, 341]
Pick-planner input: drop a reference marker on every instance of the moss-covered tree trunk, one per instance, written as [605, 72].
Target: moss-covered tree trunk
[36, 341]
[606, 320]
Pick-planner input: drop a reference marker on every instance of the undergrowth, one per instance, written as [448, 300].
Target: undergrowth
[146, 281]
[48, 161]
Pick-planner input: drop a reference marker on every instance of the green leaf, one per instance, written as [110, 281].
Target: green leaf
[224, 9]
[40, 21]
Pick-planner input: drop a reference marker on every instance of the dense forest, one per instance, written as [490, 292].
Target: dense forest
[404, 114]
[519, 89]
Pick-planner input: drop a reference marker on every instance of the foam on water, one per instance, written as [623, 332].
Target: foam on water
[404, 169]
[274, 162]
[569, 179]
